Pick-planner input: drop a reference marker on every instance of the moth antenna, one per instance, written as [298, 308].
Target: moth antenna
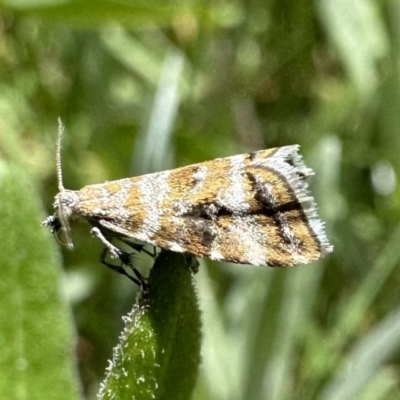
[61, 187]
[63, 199]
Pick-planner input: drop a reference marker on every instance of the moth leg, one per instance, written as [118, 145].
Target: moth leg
[117, 268]
[140, 247]
[192, 262]
[126, 259]
[154, 254]
[115, 252]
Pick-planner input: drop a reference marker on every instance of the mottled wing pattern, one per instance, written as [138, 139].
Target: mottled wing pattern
[252, 208]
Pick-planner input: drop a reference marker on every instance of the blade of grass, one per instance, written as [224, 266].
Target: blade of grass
[365, 359]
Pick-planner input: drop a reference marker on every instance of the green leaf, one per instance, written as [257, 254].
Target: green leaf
[158, 355]
[37, 359]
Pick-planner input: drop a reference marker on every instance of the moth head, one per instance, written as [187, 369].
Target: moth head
[64, 202]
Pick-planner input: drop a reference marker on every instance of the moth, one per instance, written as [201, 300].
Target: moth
[250, 208]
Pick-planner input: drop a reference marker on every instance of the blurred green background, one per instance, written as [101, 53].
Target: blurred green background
[146, 86]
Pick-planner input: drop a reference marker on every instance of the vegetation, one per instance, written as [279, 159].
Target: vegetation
[145, 86]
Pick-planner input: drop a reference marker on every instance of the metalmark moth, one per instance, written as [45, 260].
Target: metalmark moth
[251, 208]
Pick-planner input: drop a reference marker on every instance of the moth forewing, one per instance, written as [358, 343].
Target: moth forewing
[252, 208]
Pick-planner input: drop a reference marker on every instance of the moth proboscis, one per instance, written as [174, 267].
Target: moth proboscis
[250, 208]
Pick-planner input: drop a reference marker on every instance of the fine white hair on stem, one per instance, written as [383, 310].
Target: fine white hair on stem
[58, 155]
